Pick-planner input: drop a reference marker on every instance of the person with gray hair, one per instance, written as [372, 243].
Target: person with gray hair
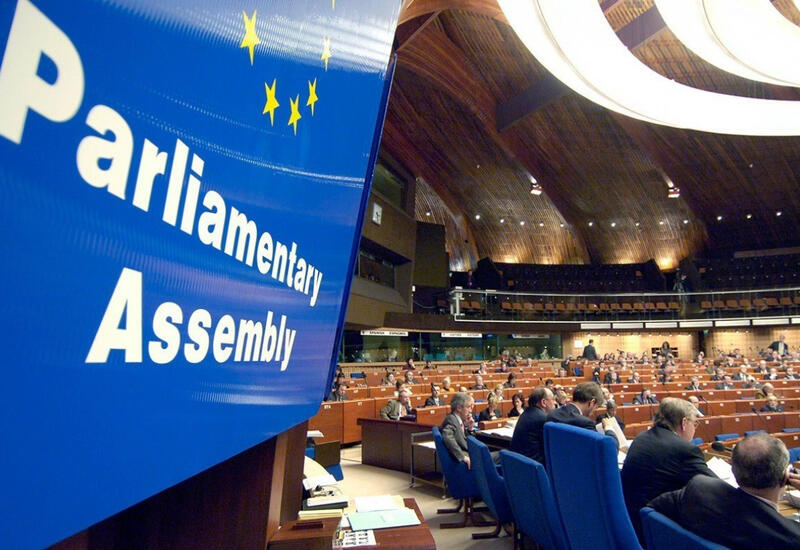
[398, 408]
[745, 516]
[457, 425]
[662, 458]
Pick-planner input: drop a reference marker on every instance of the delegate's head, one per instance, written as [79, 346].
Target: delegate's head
[782, 338]
[561, 397]
[589, 394]
[542, 397]
[390, 377]
[478, 380]
[492, 401]
[760, 462]
[446, 383]
[512, 377]
[404, 396]
[409, 375]
[517, 400]
[677, 415]
[694, 401]
[435, 390]
[461, 404]
[772, 400]
[768, 389]
[611, 408]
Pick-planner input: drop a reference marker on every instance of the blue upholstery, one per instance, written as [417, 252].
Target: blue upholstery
[490, 483]
[460, 479]
[791, 430]
[794, 454]
[661, 533]
[697, 441]
[583, 470]
[726, 437]
[532, 501]
[748, 433]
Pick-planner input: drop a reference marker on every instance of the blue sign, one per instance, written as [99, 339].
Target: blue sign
[181, 185]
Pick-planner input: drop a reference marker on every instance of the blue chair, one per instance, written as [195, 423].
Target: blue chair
[748, 433]
[726, 437]
[697, 441]
[532, 502]
[794, 454]
[490, 485]
[791, 430]
[583, 470]
[461, 484]
[661, 533]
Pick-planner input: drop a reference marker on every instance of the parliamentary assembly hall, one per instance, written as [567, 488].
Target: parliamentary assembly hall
[405, 274]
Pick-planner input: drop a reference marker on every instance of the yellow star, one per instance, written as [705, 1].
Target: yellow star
[250, 37]
[272, 103]
[326, 52]
[295, 116]
[312, 95]
[333, 4]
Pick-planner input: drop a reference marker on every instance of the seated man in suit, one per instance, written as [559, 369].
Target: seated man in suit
[694, 385]
[765, 391]
[398, 408]
[772, 405]
[635, 378]
[693, 399]
[478, 385]
[586, 397]
[457, 425]
[612, 376]
[410, 379]
[338, 393]
[662, 459]
[772, 374]
[528, 438]
[435, 400]
[742, 517]
[726, 384]
[645, 398]
[790, 375]
[741, 374]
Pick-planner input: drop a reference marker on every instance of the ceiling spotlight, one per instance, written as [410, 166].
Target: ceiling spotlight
[561, 225]
[591, 224]
[613, 224]
[685, 222]
[778, 213]
[522, 223]
[502, 220]
[477, 216]
[428, 213]
[674, 193]
[749, 216]
[533, 179]
[541, 224]
[478, 166]
[661, 222]
[536, 189]
[637, 224]
[719, 218]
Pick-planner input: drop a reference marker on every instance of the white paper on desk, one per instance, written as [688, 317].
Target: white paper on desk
[318, 481]
[723, 470]
[506, 433]
[374, 504]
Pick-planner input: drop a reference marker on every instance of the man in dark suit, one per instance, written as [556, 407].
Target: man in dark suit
[742, 517]
[780, 346]
[726, 384]
[695, 384]
[435, 399]
[457, 425]
[772, 405]
[586, 397]
[589, 352]
[398, 408]
[662, 459]
[528, 436]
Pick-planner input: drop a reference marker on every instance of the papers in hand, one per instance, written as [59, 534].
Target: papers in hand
[318, 481]
[504, 432]
[374, 504]
[723, 470]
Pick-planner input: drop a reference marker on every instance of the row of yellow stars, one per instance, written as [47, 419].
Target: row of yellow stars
[294, 104]
[251, 40]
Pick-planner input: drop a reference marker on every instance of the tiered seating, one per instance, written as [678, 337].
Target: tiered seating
[748, 273]
[574, 278]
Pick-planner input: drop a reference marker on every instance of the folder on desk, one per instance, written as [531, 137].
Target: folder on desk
[383, 519]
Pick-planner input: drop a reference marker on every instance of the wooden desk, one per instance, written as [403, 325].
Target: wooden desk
[414, 537]
[387, 443]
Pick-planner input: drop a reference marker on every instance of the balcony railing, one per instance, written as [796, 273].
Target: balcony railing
[775, 306]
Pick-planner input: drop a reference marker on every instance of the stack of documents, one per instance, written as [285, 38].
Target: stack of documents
[381, 512]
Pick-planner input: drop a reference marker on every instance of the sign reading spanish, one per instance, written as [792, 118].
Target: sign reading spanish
[182, 190]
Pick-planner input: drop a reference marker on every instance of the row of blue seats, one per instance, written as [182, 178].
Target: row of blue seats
[576, 503]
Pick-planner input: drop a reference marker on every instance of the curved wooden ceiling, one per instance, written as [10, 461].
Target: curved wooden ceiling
[472, 113]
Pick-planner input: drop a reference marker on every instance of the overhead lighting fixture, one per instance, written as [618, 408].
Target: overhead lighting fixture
[541, 224]
[709, 32]
[613, 224]
[749, 216]
[502, 220]
[591, 224]
[719, 218]
[661, 222]
[574, 41]
[673, 193]
[685, 222]
[637, 224]
[561, 225]
[428, 213]
[536, 189]
[477, 216]
[778, 213]
[522, 223]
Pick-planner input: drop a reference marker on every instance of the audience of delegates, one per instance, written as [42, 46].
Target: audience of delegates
[398, 408]
[491, 412]
[435, 400]
[499, 391]
[528, 438]
[741, 517]
[645, 397]
[772, 405]
[457, 425]
[561, 397]
[790, 375]
[612, 376]
[517, 405]
[589, 352]
[482, 369]
[409, 364]
[662, 459]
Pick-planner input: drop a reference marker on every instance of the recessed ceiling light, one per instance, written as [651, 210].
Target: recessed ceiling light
[613, 224]
[502, 220]
[750, 165]
[522, 223]
[719, 218]
[661, 222]
[478, 166]
[591, 224]
[685, 221]
[749, 216]
[561, 225]
[428, 213]
[637, 224]
[778, 213]
[541, 224]
[477, 216]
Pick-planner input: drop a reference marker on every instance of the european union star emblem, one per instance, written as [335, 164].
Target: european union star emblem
[251, 41]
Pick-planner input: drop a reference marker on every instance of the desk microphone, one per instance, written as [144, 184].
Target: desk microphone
[719, 447]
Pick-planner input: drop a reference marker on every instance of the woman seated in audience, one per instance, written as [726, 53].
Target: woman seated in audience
[635, 378]
[645, 398]
[517, 405]
[561, 397]
[498, 392]
[491, 412]
[389, 379]
[446, 387]
[511, 382]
